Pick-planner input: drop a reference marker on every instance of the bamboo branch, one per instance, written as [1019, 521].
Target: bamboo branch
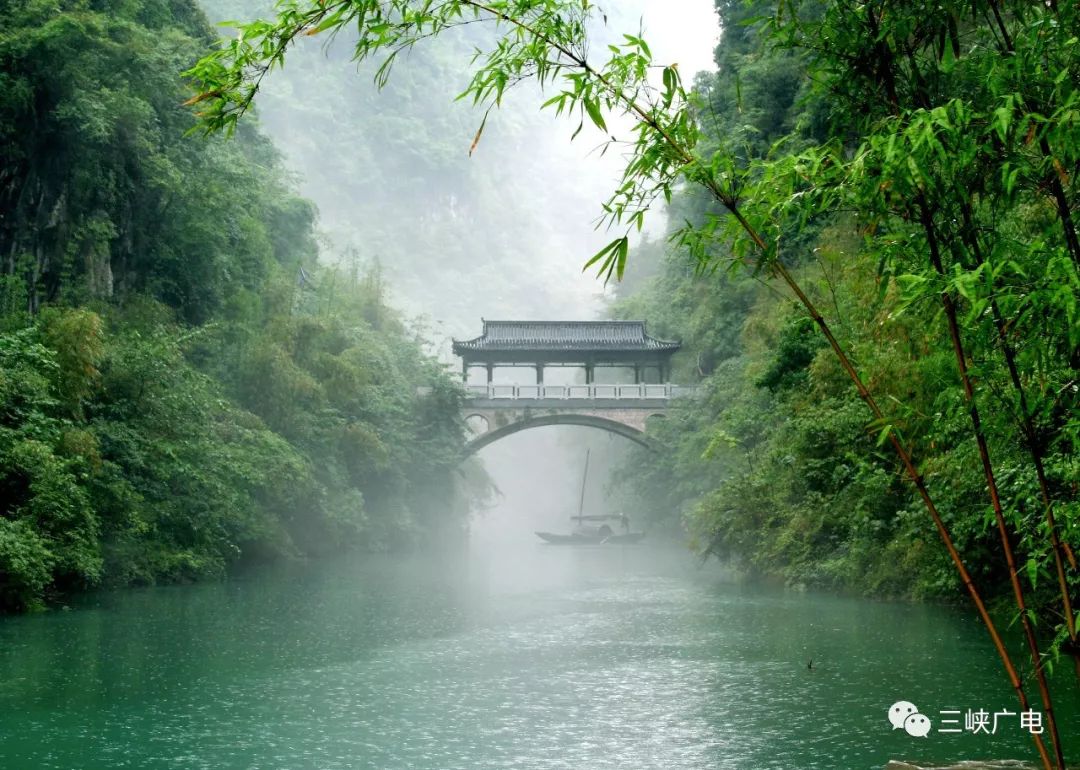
[949, 306]
[1027, 426]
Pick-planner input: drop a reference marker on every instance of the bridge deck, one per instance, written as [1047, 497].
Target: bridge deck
[570, 395]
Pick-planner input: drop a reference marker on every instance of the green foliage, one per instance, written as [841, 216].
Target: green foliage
[177, 393]
[770, 181]
[806, 492]
[50, 530]
[103, 199]
[795, 349]
[27, 564]
[773, 466]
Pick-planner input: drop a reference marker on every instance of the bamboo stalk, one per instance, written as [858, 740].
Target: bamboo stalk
[924, 495]
[849, 369]
[887, 74]
[912, 472]
[1027, 427]
[991, 482]
[1044, 486]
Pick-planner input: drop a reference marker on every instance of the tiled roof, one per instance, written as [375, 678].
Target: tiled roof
[565, 335]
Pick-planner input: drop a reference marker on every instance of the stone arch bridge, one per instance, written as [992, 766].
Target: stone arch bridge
[494, 411]
[504, 410]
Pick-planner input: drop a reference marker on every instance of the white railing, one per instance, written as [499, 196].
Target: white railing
[567, 392]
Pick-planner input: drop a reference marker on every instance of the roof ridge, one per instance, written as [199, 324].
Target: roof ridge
[576, 321]
[610, 334]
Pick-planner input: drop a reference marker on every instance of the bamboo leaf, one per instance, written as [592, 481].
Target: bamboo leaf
[593, 108]
[948, 60]
[479, 133]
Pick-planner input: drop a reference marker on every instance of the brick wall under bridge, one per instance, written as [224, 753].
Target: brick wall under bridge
[619, 409]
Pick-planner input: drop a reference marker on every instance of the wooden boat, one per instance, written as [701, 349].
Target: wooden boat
[580, 538]
[595, 529]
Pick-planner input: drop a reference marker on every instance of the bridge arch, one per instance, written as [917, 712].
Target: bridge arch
[539, 421]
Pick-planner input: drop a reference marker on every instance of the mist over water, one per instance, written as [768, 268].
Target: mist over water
[539, 475]
[526, 656]
[501, 234]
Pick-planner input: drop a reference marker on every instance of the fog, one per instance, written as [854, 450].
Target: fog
[500, 234]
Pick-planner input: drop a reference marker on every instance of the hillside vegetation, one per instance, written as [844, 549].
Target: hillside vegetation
[779, 465]
[182, 387]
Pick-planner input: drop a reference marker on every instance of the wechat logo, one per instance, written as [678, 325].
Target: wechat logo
[904, 715]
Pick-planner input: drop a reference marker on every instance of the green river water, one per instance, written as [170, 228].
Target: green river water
[536, 657]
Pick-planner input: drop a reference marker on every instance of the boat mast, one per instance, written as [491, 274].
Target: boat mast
[584, 476]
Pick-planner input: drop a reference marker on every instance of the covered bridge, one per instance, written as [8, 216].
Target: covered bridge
[586, 344]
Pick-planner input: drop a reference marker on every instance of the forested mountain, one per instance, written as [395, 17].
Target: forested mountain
[196, 253]
[504, 228]
[778, 465]
[181, 385]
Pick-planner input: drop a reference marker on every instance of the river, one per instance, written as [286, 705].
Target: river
[527, 657]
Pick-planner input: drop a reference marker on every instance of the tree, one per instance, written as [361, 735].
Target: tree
[182, 387]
